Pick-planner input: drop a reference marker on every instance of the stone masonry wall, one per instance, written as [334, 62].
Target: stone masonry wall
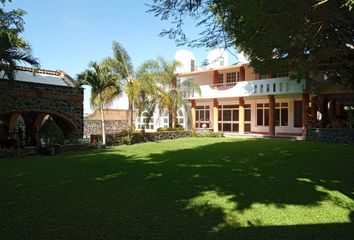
[94, 127]
[67, 102]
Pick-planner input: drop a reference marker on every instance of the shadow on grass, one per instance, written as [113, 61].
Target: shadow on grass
[249, 189]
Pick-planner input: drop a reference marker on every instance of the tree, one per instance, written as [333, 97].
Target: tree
[105, 87]
[303, 37]
[121, 63]
[169, 94]
[13, 48]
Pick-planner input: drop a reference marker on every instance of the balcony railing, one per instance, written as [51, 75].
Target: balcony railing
[271, 86]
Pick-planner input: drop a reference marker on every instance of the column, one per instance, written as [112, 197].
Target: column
[193, 113]
[216, 115]
[271, 115]
[314, 109]
[305, 106]
[241, 116]
[324, 120]
[242, 73]
[215, 79]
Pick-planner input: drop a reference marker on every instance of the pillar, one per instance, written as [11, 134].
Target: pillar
[193, 113]
[305, 106]
[242, 73]
[314, 109]
[216, 115]
[271, 115]
[215, 79]
[241, 116]
[324, 120]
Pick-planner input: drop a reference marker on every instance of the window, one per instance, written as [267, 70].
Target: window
[142, 121]
[231, 77]
[165, 120]
[221, 78]
[192, 65]
[281, 114]
[180, 118]
[298, 114]
[202, 116]
[262, 114]
[228, 118]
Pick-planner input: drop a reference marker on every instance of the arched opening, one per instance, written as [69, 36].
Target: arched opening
[3, 134]
[17, 128]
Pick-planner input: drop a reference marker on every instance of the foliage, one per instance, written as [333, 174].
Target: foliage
[167, 94]
[183, 189]
[50, 133]
[207, 134]
[304, 37]
[121, 64]
[13, 48]
[126, 137]
[161, 129]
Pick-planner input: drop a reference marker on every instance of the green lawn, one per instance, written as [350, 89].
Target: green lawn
[182, 189]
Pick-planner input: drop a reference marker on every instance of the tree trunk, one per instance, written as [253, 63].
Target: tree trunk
[103, 127]
[130, 115]
[174, 117]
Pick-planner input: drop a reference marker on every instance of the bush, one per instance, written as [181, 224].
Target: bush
[50, 133]
[176, 129]
[206, 134]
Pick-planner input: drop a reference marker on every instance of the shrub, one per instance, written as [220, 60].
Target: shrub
[50, 133]
[176, 129]
[206, 134]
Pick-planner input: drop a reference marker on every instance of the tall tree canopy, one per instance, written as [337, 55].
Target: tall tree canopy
[301, 36]
[13, 48]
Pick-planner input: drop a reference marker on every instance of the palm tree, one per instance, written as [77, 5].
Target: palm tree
[13, 50]
[105, 87]
[169, 94]
[122, 64]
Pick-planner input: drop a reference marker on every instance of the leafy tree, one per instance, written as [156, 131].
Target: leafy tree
[105, 87]
[13, 48]
[304, 37]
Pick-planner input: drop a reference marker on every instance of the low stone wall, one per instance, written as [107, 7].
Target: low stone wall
[30, 151]
[116, 139]
[330, 135]
[94, 127]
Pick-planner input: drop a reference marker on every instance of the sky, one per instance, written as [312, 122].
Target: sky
[68, 34]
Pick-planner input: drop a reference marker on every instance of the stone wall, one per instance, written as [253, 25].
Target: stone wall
[60, 101]
[330, 135]
[94, 127]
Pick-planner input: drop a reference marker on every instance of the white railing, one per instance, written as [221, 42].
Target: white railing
[271, 86]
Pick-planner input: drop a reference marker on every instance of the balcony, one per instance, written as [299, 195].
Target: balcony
[264, 87]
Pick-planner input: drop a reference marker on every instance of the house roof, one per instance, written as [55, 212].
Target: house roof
[109, 114]
[42, 76]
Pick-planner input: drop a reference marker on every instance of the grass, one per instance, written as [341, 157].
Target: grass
[182, 189]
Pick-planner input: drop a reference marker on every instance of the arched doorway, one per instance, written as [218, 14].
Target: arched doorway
[17, 128]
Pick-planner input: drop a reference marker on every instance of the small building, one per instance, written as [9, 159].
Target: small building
[34, 96]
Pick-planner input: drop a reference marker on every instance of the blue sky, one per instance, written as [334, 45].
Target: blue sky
[68, 34]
